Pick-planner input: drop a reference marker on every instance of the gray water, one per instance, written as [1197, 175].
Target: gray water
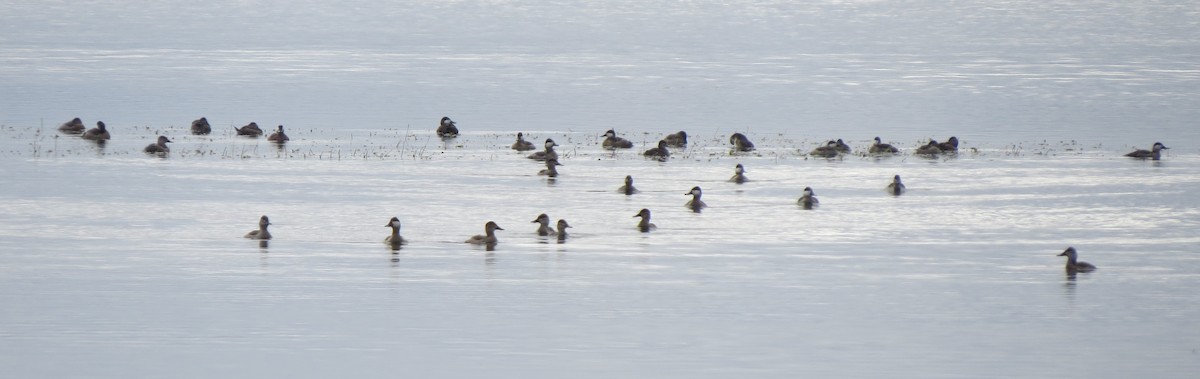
[118, 264]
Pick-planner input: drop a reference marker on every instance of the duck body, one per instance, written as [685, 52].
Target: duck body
[950, 146]
[250, 130]
[447, 128]
[159, 147]
[676, 139]
[261, 233]
[1154, 154]
[659, 153]
[830, 150]
[201, 126]
[740, 142]
[896, 187]
[551, 169]
[611, 141]
[489, 236]
[929, 149]
[75, 126]
[279, 136]
[99, 133]
[628, 188]
[1073, 264]
[522, 144]
[882, 148]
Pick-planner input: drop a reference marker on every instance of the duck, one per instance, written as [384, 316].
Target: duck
[895, 187]
[562, 229]
[550, 169]
[278, 136]
[929, 149]
[489, 236]
[950, 146]
[522, 144]
[544, 229]
[446, 128]
[676, 139]
[201, 127]
[645, 225]
[842, 147]
[882, 148]
[261, 233]
[75, 126]
[250, 130]
[611, 141]
[809, 199]
[660, 153]
[740, 142]
[628, 189]
[547, 153]
[395, 238]
[1074, 265]
[695, 203]
[739, 174]
[1154, 154]
[99, 133]
[159, 147]
[830, 150]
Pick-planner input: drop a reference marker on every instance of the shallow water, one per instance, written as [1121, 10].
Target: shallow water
[131, 265]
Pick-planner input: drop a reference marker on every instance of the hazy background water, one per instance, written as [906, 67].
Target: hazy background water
[128, 265]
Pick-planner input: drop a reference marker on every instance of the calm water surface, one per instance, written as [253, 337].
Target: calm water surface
[126, 265]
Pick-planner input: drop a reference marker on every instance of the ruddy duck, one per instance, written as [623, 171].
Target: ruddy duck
[395, 238]
[739, 174]
[489, 237]
[645, 225]
[522, 144]
[950, 146]
[201, 127]
[660, 153]
[250, 130]
[611, 141]
[676, 139]
[929, 149]
[882, 148]
[740, 142]
[896, 188]
[830, 150]
[446, 128]
[1154, 154]
[562, 229]
[808, 200]
[628, 187]
[1073, 265]
[261, 233]
[695, 203]
[550, 169]
[99, 133]
[159, 147]
[544, 229]
[278, 136]
[75, 126]
[547, 153]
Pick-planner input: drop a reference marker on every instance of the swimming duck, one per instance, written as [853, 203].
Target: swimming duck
[547, 153]
[740, 142]
[99, 133]
[278, 136]
[628, 187]
[611, 141]
[1154, 154]
[446, 128]
[950, 146]
[896, 188]
[522, 144]
[159, 147]
[544, 229]
[882, 148]
[695, 203]
[550, 169]
[808, 200]
[562, 229]
[739, 174]
[201, 127]
[842, 147]
[489, 237]
[261, 233]
[929, 149]
[830, 150]
[250, 130]
[1073, 265]
[645, 225]
[395, 238]
[676, 139]
[660, 153]
[75, 126]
